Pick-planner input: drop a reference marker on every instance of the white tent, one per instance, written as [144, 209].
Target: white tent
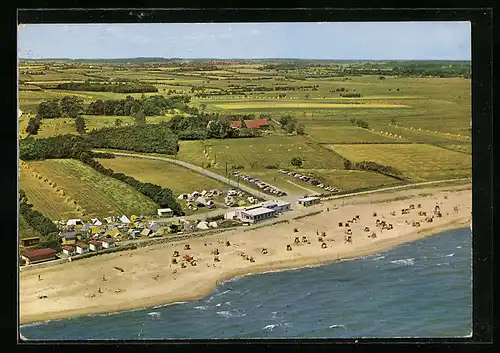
[74, 222]
[19, 113]
[108, 220]
[187, 226]
[203, 193]
[124, 219]
[202, 225]
[182, 196]
[201, 201]
[96, 222]
[213, 224]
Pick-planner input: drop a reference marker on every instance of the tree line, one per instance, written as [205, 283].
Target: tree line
[162, 196]
[105, 87]
[150, 106]
[291, 125]
[374, 167]
[35, 219]
[66, 107]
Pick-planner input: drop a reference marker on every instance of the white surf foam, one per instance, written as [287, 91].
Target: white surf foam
[154, 314]
[459, 247]
[202, 307]
[335, 326]
[224, 313]
[407, 262]
[379, 258]
[450, 255]
[269, 327]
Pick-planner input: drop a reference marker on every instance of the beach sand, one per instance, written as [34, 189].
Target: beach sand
[149, 277]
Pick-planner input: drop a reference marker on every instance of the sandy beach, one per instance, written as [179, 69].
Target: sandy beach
[149, 277]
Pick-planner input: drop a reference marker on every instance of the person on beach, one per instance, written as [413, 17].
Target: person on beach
[39, 278]
[103, 278]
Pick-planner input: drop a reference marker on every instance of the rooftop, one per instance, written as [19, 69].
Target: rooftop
[259, 211]
[311, 198]
[39, 252]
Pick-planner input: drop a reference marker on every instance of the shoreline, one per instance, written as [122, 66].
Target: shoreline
[202, 284]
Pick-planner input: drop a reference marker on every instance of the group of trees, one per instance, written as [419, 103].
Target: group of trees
[150, 138]
[374, 167]
[67, 107]
[162, 196]
[62, 146]
[33, 125]
[150, 106]
[106, 87]
[361, 123]
[291, 125]
[35, 219]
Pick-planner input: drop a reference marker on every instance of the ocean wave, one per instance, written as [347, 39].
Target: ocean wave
[335, 326]
[423, 258]
[227, 303]
[407, 262]
[445, 264]
[224, 313]
[202, 307]
[164, 305]
[450, 255]
[272, 326]
[222, 293]
[105, 314]
[459, 247]
[154, 314]
[33, 324]
[218, 304]
[379, 258]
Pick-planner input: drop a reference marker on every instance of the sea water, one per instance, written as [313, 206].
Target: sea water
[419, 289]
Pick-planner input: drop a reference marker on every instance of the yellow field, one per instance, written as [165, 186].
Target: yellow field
[45, 198]
[99, 195]
[280, 105]
[417, 161]
[371, 97]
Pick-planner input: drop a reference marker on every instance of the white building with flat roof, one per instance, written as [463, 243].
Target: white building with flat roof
[276, 205]
[255, 214]
[308, 201]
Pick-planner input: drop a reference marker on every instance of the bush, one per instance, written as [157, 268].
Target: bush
[271, 166]
[237, 167]
[296, 162]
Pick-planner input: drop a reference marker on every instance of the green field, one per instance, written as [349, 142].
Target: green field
[256, 153]
[97, 194]
[178, 179]
[417, 161]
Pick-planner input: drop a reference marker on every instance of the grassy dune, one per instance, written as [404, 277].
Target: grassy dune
[98, 194]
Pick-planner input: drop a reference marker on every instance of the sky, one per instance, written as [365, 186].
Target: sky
[302, 40]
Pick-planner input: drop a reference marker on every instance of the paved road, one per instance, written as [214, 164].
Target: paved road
[200, 170]
[393, 188]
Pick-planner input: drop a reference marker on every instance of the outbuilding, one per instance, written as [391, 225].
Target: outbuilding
[165, 212]
[68, 250]
[108, 243]
[95, 245]
[277, 205]
[40, 255]
[82, 248]
[30, 241]
[308, 201]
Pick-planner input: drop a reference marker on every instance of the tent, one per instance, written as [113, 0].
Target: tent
[154, 226]
[183, 196]
[86, 227]
[108, 220]
[187, 226]
[201, 201]
[124, 219]
[96, 222]
[74, 222]
[213, 225]
[203, 193]
[202, 225]
[133, 218]
[241, 203]
[114, 232]
[146, 232]
[95, 229]
[210, 204]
